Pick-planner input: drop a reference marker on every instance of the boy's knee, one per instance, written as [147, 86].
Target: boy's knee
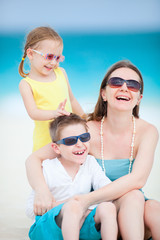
[106, 208]
[73, 206]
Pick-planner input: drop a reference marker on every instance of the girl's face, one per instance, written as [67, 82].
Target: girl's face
[39, 64]
[75, 154]
[122, 98]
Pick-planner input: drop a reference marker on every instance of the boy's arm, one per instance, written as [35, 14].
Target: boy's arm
[44, 200]
[32, 110]
[76, 107]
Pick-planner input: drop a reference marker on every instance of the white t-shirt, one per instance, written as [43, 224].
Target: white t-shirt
[90, 176]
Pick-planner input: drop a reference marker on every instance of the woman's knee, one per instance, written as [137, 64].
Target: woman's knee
[151, 212]
[135, 197]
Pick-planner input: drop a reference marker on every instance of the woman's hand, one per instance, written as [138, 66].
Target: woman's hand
[43, 202]
[83, 199]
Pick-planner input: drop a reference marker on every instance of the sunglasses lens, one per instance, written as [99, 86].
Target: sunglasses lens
[115, 82]
[70, 141]
[60, 58]
[49, 56]
[85, 137]
[133, 85]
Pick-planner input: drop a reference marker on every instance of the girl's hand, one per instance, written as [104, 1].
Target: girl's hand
[43, 202]
[61, 110]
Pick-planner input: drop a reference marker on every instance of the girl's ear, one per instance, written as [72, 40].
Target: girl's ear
[139, 99]
[29, 53]
[56, 148]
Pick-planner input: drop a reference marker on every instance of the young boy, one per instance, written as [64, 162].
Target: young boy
[73, 172]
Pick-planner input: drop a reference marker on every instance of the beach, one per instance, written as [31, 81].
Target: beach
[16, 144]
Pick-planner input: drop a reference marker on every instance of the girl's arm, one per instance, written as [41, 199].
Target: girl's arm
[135, 180]
[76, 107]
[33, 111]
[44, 200]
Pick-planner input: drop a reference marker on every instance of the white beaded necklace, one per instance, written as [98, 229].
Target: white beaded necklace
[132, 143]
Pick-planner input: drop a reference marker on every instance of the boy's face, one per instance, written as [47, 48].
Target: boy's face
[74, 154]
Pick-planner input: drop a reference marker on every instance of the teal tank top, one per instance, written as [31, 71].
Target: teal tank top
[116, 168]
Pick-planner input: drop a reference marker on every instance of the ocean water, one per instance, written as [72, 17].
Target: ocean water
[87, 58]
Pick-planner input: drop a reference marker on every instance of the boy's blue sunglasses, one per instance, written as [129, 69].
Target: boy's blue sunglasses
[69, 141]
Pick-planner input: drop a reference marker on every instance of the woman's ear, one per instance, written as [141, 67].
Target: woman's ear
[103, 95]
[139, 99]
[56, 148]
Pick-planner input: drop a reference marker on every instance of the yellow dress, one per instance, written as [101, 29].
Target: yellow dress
[48, 96]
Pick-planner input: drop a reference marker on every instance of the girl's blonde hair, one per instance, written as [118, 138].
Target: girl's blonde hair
[33, 38]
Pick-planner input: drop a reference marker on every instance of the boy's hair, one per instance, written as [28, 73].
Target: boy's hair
[57, 125]
[34, 38]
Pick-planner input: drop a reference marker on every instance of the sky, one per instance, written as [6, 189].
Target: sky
[78, 16]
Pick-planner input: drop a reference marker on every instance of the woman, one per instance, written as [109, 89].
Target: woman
[124, 146]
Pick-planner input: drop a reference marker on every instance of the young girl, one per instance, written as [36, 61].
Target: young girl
[45, 89]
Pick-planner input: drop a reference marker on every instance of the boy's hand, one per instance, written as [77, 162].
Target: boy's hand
[43, 202]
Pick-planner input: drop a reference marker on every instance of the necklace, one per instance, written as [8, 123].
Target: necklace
[132, 143]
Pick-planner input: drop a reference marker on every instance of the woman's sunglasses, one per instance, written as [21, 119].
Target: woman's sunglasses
[116, 82]
[69, 141]
[50, 56]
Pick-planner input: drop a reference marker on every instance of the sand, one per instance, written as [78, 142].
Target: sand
[16, 144]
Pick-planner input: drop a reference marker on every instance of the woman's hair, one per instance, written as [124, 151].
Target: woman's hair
[34, 38]
[101, 106]
[57, 125]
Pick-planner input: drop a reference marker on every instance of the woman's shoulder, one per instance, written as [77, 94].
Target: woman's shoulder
[93, 126]
[145, 128]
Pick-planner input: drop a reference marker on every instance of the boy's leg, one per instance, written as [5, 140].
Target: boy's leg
[152, 217]
[130, 208]
[70, 220]
[106, 219]
[45, 226]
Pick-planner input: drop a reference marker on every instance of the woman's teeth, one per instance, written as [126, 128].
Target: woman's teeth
[123, 98]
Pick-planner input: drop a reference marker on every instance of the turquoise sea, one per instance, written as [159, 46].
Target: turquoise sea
[87, 58]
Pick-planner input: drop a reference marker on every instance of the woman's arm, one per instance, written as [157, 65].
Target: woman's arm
[76, 107]
[32, 110]
[135, 180]
[43, 198]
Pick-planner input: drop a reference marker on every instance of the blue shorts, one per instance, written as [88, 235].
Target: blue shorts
[46, 228]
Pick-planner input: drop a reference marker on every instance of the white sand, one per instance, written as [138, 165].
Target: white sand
[16, 144]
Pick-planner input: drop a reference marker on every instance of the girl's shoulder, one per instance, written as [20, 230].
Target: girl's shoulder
[62, 72]
[23, 83]
[61, 69]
